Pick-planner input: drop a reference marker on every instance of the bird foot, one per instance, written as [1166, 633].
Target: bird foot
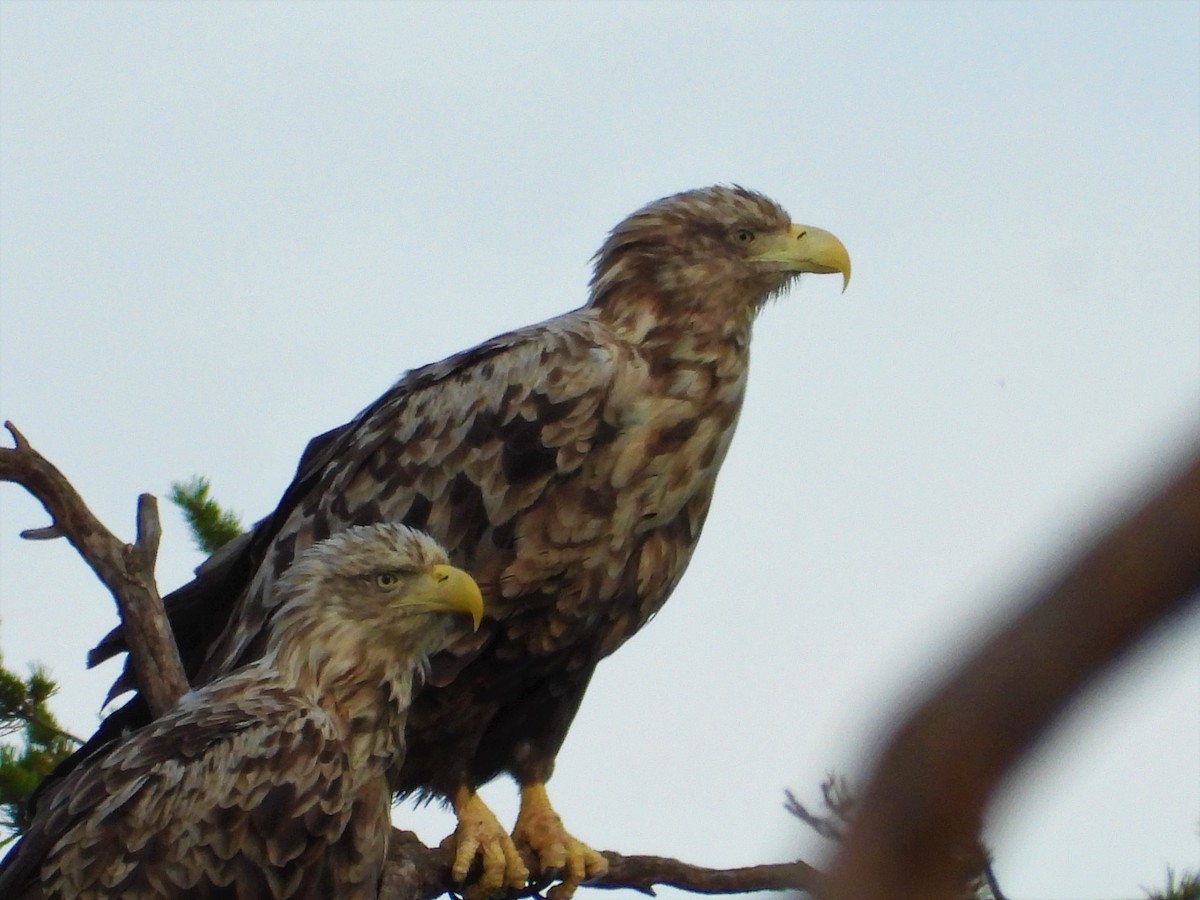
[480, 835]
[540, 829]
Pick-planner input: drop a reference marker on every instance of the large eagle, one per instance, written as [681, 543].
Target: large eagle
[569, 467]
[271, 781]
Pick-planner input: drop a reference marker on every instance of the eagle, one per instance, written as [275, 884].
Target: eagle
[271, 781]
[569, 467]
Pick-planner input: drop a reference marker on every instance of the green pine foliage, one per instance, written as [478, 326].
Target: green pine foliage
[212, 527]
[40, 744]
[1179, 887]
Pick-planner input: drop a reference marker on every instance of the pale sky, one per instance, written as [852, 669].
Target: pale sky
[226, 228]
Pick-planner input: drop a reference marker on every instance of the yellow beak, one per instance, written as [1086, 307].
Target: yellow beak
[806, 249]
[456, 591]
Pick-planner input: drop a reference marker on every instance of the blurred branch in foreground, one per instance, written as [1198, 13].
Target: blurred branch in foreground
[974, 878]
[927, 797]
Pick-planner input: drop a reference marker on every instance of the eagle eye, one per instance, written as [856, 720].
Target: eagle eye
[387, 580]
[743, 235]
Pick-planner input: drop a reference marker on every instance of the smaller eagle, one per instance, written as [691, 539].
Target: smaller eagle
[271, 781]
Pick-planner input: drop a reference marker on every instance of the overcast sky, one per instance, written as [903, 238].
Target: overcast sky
[226, 228]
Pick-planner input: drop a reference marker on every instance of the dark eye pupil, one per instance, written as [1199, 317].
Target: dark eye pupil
[745, 236]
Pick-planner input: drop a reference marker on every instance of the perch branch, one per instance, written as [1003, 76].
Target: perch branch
[127, 570]
[927, 797]
[642, 873]
[417, 872]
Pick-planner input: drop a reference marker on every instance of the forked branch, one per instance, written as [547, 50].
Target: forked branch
[127, 570]
[910, 828]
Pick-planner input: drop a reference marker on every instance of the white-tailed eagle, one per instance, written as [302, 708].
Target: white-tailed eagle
[569, 467]
[271, 781]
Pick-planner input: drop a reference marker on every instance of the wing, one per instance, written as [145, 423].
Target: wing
[457, 448]
[237, 786]
[563, 468]
[460, 449]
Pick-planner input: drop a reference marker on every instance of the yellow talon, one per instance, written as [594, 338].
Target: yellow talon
[541, 830]
[480, 834]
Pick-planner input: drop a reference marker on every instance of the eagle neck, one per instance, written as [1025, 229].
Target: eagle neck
[684, 330]
[363, 687]
[655, 321]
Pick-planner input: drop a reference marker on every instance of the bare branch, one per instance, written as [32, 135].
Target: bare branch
[839, 804]
[417, 872]
[926, 801]
[644, 872]
[993, 885]
[49, 533]
[127, 570]
[149, 533]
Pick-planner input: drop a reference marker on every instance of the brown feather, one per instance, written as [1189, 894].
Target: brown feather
[569, 466]
[271, 781]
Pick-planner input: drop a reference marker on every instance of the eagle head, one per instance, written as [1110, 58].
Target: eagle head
[384, 584]
[725, 248]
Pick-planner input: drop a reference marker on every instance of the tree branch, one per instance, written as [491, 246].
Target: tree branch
[931, 787]
[642, 873]
[127, 570]
[417, 872]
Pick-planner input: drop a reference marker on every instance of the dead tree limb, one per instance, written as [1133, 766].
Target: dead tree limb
[643, 873]
[417, 872]
[927, 798]
[127, 570]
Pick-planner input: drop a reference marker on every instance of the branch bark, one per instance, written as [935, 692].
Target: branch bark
[643, 873]
[417, 872]
[927, 798]
[127, 570]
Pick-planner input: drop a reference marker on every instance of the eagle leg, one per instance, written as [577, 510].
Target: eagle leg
[480, 834]
[541, 830]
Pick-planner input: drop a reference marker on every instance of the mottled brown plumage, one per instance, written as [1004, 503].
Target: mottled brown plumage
[569, 466]
[272, 781]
